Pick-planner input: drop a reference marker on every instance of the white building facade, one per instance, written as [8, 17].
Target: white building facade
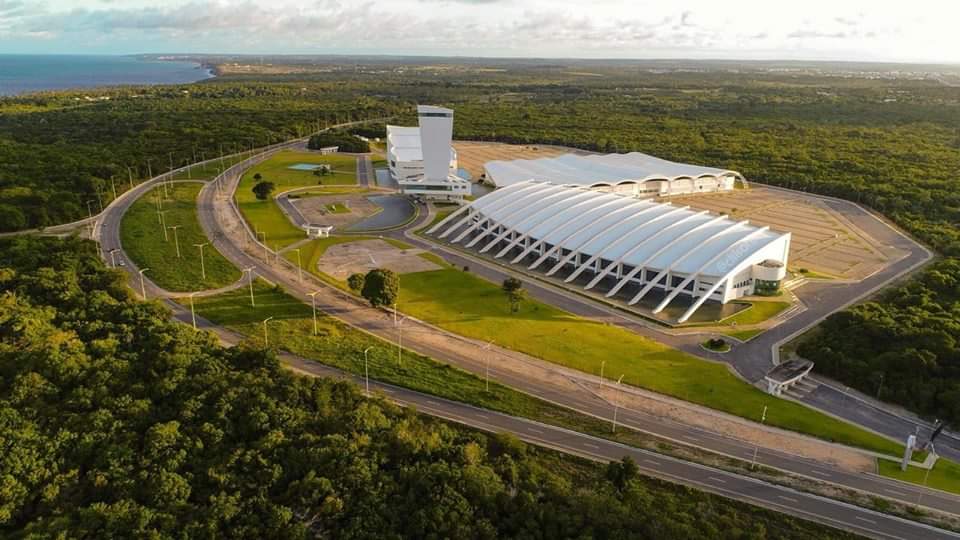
[422, 159]
[635, 174]
[622, 245]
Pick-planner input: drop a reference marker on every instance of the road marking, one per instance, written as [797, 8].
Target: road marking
[788, 499]
[900, 493]
[865, 519]
[588, 445]
[535, 430]
[485, 417]
[715, 479]
[821, 473]
[434, 403]
[388, 390]
[652, 462]
[688, 437]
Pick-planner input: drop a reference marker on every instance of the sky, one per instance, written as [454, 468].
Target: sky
[857, 30]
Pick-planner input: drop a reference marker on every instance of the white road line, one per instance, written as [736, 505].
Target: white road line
[389, 390]
[535, 430]
[788, 499]
[865, 519]
[652, 462]
[588, 445]
[688, 437]
[900, 493]
[434, 403]
[821, 473]
[485, 417]
[715, 479]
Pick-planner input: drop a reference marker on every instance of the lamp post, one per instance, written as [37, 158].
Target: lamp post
[602, 364]
[193, 314]
[113, 257]
[203, 270]
[251, 284]
[113, 186]
[143, 287]
[616, 405]
[299, 266]
[399, 325]
[487, 348]
[756, 448]
[266, 343]
[313, 304]
[163, 223]
[366, 369]
[266, 256]
[176, 238]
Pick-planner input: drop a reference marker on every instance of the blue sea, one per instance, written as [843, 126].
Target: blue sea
[29, 73]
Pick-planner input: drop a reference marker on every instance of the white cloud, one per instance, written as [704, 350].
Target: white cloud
[852, 30]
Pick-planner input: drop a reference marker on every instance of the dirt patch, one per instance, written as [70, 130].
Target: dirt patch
[342, 260]
[822, 240]
[473, 155]
[321, 209]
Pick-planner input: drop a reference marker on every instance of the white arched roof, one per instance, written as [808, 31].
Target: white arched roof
[597, 169]
[686, 240]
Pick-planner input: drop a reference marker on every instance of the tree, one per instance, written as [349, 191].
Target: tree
[356, 281]
[515, 292]
[263, 190]
[258, 177]
[381, 287]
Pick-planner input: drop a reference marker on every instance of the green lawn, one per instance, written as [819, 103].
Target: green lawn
[472, 307]
[209, 170]
[439, 216]
[143, 240]
[337, 208]
[945, 474]
[758, 312]
[266, 216]
[745, 335]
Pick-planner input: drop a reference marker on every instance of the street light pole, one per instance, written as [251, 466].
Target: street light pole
[400, 339]
[299, 266]
[602, 364]
[163, 224]
[203, 270]
[265, 336]
[266, 257]
[113, 186]
[366, 369]
[176, 238]
[113, 257]
[616, 405]
[251, 285]
[313, 304]
[143, 287]
[193, 314]
[487, 348]
[756, 448]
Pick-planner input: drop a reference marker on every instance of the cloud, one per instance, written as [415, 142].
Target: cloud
[814, 34]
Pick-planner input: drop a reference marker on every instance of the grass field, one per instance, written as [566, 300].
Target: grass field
[143, 240]
[945, 474]
[758, 312]
[266, 216]
[209, 170]
[478, 309]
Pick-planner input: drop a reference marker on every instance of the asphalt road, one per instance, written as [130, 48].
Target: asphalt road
[592, 405]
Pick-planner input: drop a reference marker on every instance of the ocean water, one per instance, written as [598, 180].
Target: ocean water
[29, 73]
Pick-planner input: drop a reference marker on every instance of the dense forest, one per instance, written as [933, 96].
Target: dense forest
[891, 143]
[117, 422]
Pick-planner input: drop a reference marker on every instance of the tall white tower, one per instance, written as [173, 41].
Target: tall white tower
[436, 134]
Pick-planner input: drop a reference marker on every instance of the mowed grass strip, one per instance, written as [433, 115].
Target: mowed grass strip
[142, 239]
[945, 475]
[264, 215]
[467, 305]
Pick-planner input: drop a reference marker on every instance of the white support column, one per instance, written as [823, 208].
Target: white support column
[491, 202]
[600, 275]
[590, 196]
[736, 268]
[487, 218]
[517, 207]
[449, 218]
[666, 301]
[589, 214]
[613, 243]
[563, 197]
[656, 279]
